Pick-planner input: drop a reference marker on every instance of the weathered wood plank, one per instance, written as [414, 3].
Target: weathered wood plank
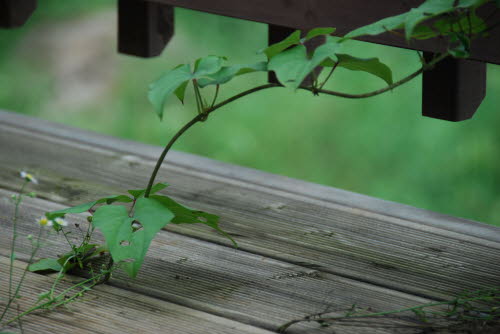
[144, 28]
[345, 15]
[230, 283]
[338, 232]
[108, 309]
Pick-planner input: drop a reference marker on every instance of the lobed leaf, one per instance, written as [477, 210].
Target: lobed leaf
[161, 89]
[277, 48]
[175, 81]
[293, 65]
[318, 32]
[369, 65]
[125, 244]
[227, 73]
[87, 206]
[184, 215]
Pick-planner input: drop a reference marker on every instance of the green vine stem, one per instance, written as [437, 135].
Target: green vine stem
[318, 318]
[203, 116]
[62, 298]
[34, 250]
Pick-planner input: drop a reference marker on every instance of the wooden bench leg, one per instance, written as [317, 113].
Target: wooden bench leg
[279, 33]
[144, 28]
[14, 13]
[454, 89]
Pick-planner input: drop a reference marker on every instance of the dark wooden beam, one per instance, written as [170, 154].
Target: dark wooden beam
[14, 13]
[144, 28]
[345, 15]
[454, 89]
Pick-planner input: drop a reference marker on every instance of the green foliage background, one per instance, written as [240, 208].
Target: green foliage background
[380, 146]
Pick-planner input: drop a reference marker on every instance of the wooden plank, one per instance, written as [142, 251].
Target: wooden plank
[231, 283]
[454, 89]
[144, 28]
[335, 231]
[14, 13]
[108, 309]
[345, 15]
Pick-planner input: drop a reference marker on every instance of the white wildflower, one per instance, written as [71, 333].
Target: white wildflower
[61, 222]
[28, 177]
[43, 221]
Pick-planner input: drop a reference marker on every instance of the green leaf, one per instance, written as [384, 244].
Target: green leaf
[227, 73]
[462, 47]
[126, 245]
[276, 48]
[176, 80]
[161, 89]
[450, 26]
[411, 19]
[318, 32]
[154, 189]
[498, 3]
[180, 91]
[368, 65]
[45, 264]
[379, 27]
[184, 215]
[87, 206]
[207, 65]
[293, 65]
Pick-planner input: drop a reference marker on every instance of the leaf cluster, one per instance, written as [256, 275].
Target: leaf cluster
[292, 61]
[128, 231]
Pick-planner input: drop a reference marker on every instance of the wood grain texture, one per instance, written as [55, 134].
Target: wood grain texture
[230, 283]
[345, 15]
[108, 309]
[332, 231]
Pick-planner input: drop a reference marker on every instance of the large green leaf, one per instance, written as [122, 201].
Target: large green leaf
[368, 65]
[176, 80]
[126, 245]
[87, 206]
[293, 65]
[184, 215]
[227, 73]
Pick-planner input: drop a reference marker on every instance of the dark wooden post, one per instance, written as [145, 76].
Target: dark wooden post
[454, 89]
[14, 13]
[279, 33]
[144, 28]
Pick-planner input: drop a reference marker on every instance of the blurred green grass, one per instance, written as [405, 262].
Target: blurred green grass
[379, 146]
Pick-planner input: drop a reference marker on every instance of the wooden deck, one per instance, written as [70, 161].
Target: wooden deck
[303, 247]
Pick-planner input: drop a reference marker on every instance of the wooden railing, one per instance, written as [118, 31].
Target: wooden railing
[452, 91]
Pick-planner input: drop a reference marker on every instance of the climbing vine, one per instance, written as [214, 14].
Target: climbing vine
[130, 221]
